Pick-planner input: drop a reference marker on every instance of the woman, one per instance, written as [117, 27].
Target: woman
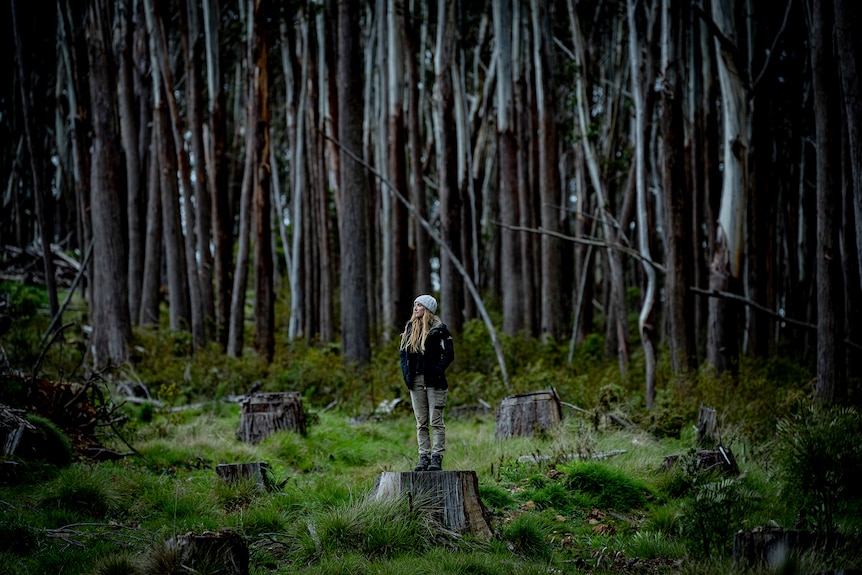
[426, 352]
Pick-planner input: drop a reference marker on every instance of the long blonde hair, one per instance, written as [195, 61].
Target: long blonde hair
[416, 332]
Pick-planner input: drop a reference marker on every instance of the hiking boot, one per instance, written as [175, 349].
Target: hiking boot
[436, 462]
[424, 461]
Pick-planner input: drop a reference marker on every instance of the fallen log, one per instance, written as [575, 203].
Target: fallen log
[452, 495]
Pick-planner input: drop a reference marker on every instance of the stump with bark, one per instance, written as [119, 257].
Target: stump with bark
[265, 413]
[719, 459]
[707, 427]
[257, 471]
[526, 413]
[452, 495]
[226, 550]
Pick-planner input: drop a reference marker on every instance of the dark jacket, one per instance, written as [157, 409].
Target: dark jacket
[439, 354]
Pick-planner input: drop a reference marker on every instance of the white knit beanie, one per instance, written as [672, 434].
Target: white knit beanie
[427, 301]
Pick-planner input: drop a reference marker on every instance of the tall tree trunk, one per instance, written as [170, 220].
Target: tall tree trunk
[112, 328]
[849, 50]
[723, 346]
[397, 141]
[151, 281]
[507, 189]
[236, 325]
[37, 159]
[264, 296]
[451, 288]
[678, 210]
[548, 176]
[355, 334]
[202, 207]
[420, 242]
[217, 172]
[646, 318]
[831, 384]
[129, 129]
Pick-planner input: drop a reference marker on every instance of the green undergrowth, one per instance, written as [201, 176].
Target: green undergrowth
[594, 494]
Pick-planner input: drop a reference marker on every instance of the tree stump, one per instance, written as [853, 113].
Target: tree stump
[526, 413]
[453, 496]
[720, 459]
[265, 413]
[707, 427]
[13, 426]
[225, 549]
[774, 547]
[256, 471]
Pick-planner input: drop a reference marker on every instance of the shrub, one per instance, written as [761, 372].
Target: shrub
[820, 461]
[48, 442]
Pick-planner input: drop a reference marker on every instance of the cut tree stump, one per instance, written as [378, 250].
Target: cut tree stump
[452, 495]
[256, 471]
[525, 413]
[775, 547]
[719, 459]
[707, 427]
[265, 413]
[225, 549]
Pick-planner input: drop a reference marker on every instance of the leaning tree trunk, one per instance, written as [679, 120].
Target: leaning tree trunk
[112, 328]
[831, 377]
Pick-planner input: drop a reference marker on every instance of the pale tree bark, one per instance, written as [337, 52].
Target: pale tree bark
[452, 292]
[616, 300]
[217, 173]
[37, 160]
[112, 327]
[356, 346]
[421, 246]
[507, 193]
[726, 266]
[646, 317]
[831, 386]
[194, 55]
[264, 294]
[298, 171]
[548, 176]
[236, 336]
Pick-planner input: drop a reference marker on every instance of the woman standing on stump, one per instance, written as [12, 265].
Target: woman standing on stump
[426, 352]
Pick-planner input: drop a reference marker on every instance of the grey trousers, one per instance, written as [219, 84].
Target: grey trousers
[428, 407]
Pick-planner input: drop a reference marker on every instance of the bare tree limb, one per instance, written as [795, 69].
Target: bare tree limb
[772, 313]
